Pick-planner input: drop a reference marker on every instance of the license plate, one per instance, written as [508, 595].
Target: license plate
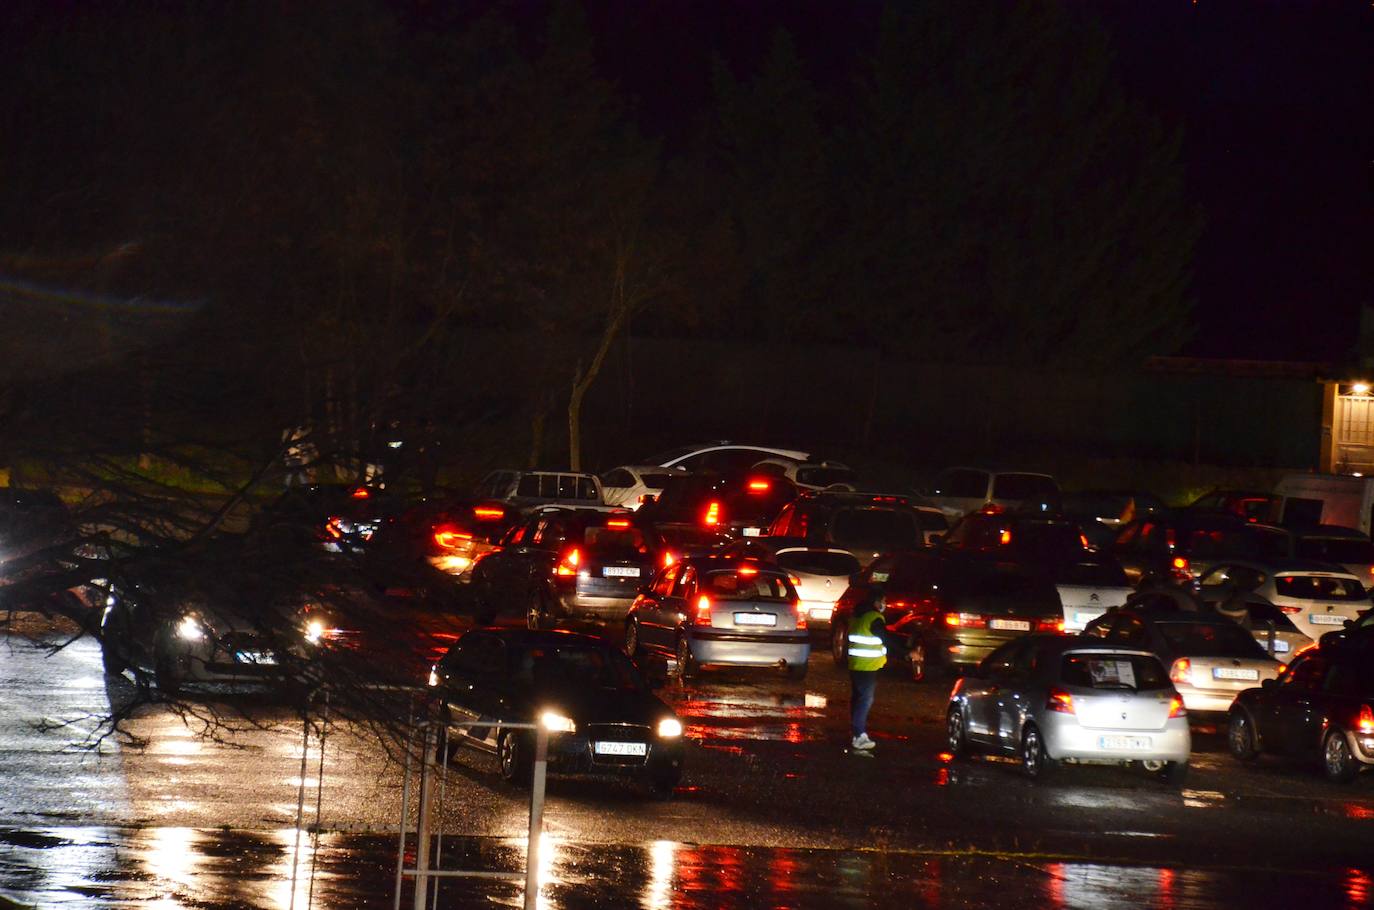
[1327, 619]
[1126, 743]
[1010, 625]
[755, 619]
[254, 657]
[753, 532]
[1280, 646]
[620, 572]
[606, 748]
[1232, 673]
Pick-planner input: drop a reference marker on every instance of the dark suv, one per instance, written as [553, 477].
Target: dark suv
[1176, 547]
[564, 564]
[697, 511]
[865, 524]
[948, 611]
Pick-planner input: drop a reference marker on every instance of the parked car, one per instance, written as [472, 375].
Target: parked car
[1250, 505]
[809, 475]
[1347, 547]
[721, 457]
[568, 564]
[340, 518]
[864, 524]
[1210, 658]
[630, 486]
[721, 611]
[1322, 707]
[602, 717]
[1051, 699]
[529, 489]
[958, 491]
[820, 576]
[1343, 500]
[1088, 580]
[1101, 513]
[697, 510]
[1173, 548]
[947, 612]
[1316, 597]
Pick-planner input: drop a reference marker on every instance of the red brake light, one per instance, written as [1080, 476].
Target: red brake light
[966, 620]
[1060, 701]
[488, 513]
[1006, 536]
[618, 523]
[1290, 609]
[1176, 708]
[360, 493]
[760, 486]
[990, 508]
[712, 516]
[958, 687]
[747, 571]
[331, 527]
[569, 564]
[449, 537]
[1083, 539]
[668, 559]
[1365, 723]
[801, 615]
[1182, 670]
[1051, 625]
[703, 617]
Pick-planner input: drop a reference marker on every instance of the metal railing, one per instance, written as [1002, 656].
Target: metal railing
[432, 746]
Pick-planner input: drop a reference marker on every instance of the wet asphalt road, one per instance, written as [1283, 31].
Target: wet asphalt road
[773, 812]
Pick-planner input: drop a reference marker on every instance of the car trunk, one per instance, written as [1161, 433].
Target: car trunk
[1110, 709]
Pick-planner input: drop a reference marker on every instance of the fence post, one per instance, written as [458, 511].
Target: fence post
[541, 759]
[422, 825]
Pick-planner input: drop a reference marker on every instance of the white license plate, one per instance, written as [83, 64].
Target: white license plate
[620, 572]
[753, 532]
[1327, 619]
[1280, 646]
[254, 657]
[755, 619]
[1010, 625]
[1125, 743]
[1232, 673]
[606, 748]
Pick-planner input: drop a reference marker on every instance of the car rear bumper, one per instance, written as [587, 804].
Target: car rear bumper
[749, 649]
[1065, 737]
[604, 608]
[1217, 700]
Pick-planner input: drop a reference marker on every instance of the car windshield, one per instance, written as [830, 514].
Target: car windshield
[824, 477]
[1319, 587]
[553, 668]
[1113, 671]
[818, 562]
[1199, 639]
[881, 529]
[1336, 549]
[730, 584]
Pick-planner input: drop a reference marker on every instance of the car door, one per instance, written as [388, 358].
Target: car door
[654, 609]
[477, 684]
[1012, 696]
[499, 572]
[980, 690]
[1298, 715]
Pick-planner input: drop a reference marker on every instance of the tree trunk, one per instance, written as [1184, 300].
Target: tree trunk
[582, 381]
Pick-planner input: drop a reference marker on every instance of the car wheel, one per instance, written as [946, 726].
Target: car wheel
[686, 663]
[513, 753]
[838, 638]
[955, 739]
[632, 648]
[169, 671]
[1034, 760]
[917, 660]
[797, 671]
[1174, 773]
[1338, 764]
[1240, 737]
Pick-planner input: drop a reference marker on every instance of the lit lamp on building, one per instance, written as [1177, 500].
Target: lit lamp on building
[1359, 388]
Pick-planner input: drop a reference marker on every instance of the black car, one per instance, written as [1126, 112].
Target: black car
[946, 611]
[569, 564]
[865, 524]
[1173, 548]
[341, 518]
[1101, 513]
[696, 511]
[1322, 708]
[602, 717]
[437, 540]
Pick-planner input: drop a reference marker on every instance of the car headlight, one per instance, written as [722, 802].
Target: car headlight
[315, 630]
[190, 629]
[669, 728]
[557, 723]
[434, 676]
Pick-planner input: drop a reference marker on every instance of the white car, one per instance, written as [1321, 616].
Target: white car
[820, 575]
[628, 485]
[1050, 699]
[1317, 597]
[810, 475]
[722, 456]
[959, 491]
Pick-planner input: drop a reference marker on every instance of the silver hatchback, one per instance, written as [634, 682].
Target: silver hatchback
[1049, 700]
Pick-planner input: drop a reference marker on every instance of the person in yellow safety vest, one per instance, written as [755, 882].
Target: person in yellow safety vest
[867, 655]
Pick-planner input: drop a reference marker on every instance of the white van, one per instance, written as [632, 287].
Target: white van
[1343, 500]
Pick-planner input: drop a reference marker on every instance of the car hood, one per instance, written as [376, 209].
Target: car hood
[587, 705]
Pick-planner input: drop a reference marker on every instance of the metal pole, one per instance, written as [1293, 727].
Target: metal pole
[422, 825]
[442, 759]
[405, 807]
[300, 805]
[319, 804]
[541, 758]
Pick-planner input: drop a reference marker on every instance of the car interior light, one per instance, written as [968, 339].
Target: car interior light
[557, 723]
[669, 727]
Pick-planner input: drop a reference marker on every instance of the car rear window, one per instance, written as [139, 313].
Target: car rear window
[962, 483]
[733, 585]
[654, 481]
[1263, 614]
[819, 562]
[616, 541]
[1319, 587]
[1197, 639]
[882, 529]
[1336, 549]
[1035, 487]
[1048, 541]
[1096, 573]
[824, 477]
[1113, 671]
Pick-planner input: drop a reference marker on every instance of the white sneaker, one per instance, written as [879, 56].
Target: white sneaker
[862, 743]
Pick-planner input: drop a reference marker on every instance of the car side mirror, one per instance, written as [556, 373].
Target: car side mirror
[1269, 684]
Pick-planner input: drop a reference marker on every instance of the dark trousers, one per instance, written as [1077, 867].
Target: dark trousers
[862, 684]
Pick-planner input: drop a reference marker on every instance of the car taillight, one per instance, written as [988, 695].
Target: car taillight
[1051, 625]
[1182, 670]
[759, 486]
[569, 564]
[958, 687]
[703, 617]
[1060, 701]
[966, 620]
[1365, 724]
[488, 513]
[333, 527]
[1290, 610]
[1180, 568]
[1005, 537]
[360, 493]
[1176, 708]
[991, 508]
[668, 559]
[712, 516]
[801, 614]
[449, 537]
[1083, 539]
[747, 571]
[618, 524]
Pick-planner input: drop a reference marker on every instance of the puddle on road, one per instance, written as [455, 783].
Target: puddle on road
[733, 715]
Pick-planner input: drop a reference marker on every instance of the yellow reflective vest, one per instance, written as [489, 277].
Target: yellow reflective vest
[866, 650]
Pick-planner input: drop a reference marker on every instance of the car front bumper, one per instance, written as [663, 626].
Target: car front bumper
[1065, 737]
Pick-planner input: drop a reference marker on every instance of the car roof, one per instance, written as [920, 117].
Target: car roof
[996, 471]
[1335, 531]
[857, 496]
[714, 561]
[1286, 566]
